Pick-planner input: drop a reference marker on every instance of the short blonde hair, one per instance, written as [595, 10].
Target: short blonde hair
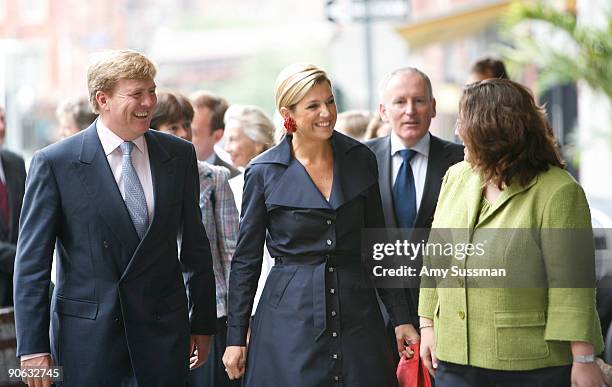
[111, 66]
[255, 124]
[353, 123]
[295, 81]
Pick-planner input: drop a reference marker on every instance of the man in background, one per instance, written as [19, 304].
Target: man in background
[411, 161]
[12, 182]
[208, 127]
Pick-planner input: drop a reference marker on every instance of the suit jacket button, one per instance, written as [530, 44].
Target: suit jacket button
[461, 314]
[105, 244]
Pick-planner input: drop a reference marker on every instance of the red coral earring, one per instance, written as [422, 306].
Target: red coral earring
[290, 125]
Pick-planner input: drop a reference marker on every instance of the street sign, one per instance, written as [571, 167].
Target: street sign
[362, 10]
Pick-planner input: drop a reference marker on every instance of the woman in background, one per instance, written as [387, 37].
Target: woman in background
[73, 116]
[249, 132]
[173, 114]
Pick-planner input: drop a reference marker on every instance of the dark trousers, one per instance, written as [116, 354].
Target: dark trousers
[212, 373]
[455, 375]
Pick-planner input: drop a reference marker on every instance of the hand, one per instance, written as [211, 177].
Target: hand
[199, 347]
[405, 335]
[428, 350]
[37, 362]
[234, 360]
[587, 375]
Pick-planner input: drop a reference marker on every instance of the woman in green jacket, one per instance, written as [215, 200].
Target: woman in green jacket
[535, 325]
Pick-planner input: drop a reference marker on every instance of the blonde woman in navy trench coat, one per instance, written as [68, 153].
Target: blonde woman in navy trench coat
[318, 322]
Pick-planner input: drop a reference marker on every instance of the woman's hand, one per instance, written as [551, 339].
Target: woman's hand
[428, 347]
[405, 335]
[587, 375]
[234, 360]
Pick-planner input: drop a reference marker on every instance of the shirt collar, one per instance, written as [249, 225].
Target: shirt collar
[110, 141]
[212, 158]
[421, 147]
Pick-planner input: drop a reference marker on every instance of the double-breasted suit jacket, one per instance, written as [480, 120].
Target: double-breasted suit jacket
[318, 321]
[14, 177]
[442, 155]
[119, 305]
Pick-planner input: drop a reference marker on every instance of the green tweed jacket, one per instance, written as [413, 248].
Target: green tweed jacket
[507, 326]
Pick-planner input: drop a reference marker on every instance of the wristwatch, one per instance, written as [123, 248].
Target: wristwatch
[584, 359]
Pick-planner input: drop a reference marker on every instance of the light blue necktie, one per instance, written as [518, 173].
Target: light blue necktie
[404, 192]
[134, 194]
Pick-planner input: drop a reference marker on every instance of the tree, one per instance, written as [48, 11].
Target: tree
[570, 51]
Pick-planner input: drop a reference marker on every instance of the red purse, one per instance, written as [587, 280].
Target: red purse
[412, 372]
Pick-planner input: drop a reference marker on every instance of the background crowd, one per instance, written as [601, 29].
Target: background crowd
[305, 187]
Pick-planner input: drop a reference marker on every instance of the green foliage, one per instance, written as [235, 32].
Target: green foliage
[587, 57]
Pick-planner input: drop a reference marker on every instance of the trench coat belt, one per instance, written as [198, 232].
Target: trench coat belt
[318, 287]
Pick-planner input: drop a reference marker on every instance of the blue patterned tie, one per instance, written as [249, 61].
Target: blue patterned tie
[134, 194]
[404, 193]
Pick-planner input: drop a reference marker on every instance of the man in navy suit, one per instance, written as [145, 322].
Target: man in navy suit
[12, 180]
[113, 199]
[407, 104]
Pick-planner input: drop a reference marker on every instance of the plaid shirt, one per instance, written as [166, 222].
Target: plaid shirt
[220, 219]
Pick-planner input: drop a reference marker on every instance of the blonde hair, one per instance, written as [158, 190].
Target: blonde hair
[353, 123]
[295, 81]
[111, 66]
[255, 124]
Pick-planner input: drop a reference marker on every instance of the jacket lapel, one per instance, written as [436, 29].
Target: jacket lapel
[351, 176]
[99, 182]
[296, 189]
[383, 155]
[512, 190]
[163, 168]
[436, 168]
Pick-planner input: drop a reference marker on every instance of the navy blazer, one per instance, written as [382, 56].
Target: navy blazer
[442, 155]
[112, 289]
[282, 206]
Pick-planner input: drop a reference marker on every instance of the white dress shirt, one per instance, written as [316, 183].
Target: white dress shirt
[418, 163]
[140, 160]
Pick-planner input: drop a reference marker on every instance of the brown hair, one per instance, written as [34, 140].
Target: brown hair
[171, 107]
[506, 132]
[491, 68]
[217, 105]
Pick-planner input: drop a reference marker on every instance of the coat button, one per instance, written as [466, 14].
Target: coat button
[333, 313]
[105, 244]
[329, 242]
[329, 221]
[330, 269]
[336, 378]
[334, 334]
[335, 356]
[461, 314]
[332, 291]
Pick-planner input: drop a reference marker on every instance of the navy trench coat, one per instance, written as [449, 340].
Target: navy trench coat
[318, 322]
